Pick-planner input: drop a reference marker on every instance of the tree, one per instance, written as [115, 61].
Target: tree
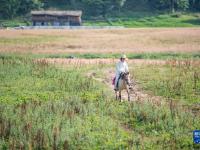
[161, 4]
[102, 7]
[8, 8]
[27, 5]
[182, 4]
[12, 8]
[194, 5]
[171, 5]
[120, 4]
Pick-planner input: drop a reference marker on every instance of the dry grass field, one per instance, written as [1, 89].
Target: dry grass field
[100, 41]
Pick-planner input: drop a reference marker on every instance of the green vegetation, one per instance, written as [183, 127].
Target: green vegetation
[129, 20]
[179, 80]
[26, 79]
[154, 56]
[96, 8]
[128, 13]
[164, 55]
[14, 22]
[152, 20]
[45, 107]
[158, 56]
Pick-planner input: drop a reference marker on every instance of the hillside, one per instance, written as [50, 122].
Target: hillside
[106, 13]
[135, 20]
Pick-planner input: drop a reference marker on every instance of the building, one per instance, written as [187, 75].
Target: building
[56, 18]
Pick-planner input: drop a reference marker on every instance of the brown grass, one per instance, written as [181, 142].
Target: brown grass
[101, 41]
[82, 62]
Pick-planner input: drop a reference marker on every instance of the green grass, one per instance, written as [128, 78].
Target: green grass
[67, 110]
[24, 79]
[99, 124]
[158, 56]
[154, 56]
[150, 20]
[172, 81]
[163, 56]
[14, 22]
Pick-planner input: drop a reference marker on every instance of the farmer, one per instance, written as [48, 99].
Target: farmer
[121, 66]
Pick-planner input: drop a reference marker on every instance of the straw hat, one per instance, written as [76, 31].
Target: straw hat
[123, 56]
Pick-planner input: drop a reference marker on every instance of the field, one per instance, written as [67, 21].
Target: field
[50, 102]
[167, 40]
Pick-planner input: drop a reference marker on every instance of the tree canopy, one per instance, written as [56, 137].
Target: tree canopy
[12, 8]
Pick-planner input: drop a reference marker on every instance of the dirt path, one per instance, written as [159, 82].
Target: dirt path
[140, 96]
[137, 94]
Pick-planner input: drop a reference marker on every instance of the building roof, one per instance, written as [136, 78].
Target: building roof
[57, 13]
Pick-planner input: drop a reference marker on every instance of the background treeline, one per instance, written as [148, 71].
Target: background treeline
[12, 8]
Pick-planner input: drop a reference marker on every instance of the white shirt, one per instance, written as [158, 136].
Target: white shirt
[121, 67]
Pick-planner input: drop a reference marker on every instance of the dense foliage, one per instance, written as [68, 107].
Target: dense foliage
[12, 8]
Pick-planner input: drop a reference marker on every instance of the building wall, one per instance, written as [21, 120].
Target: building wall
[56, 20]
